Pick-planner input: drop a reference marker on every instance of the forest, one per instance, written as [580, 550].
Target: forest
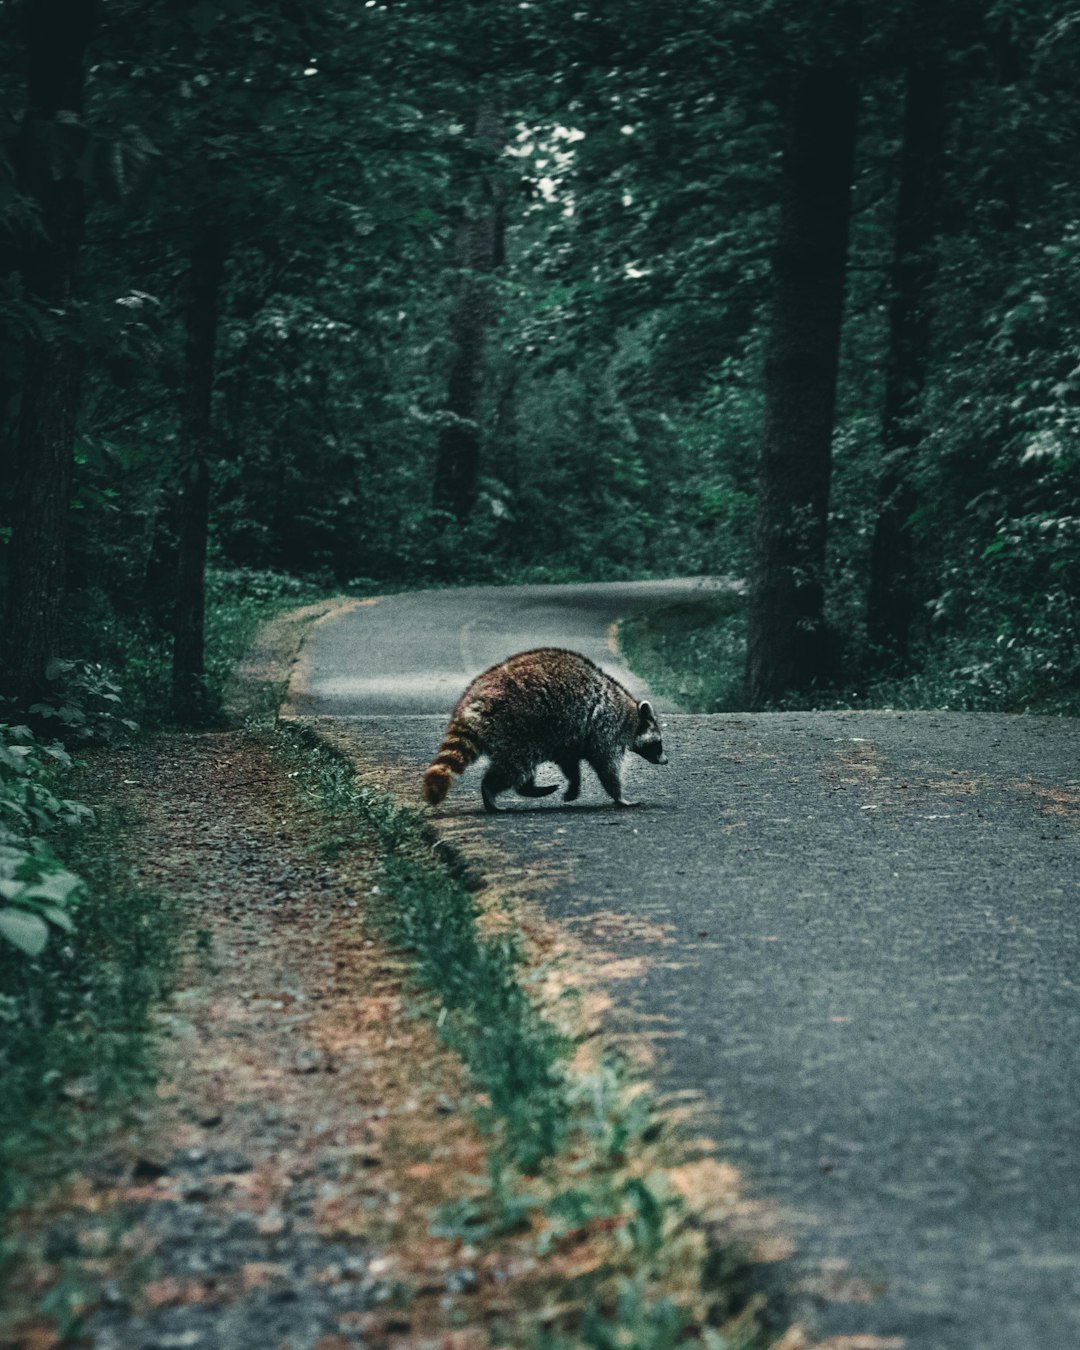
[366, 296]
[302, 301]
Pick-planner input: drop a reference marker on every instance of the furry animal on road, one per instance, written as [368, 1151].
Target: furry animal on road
[541, 705]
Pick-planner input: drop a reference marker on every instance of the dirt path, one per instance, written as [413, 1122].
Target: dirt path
[278, 1190]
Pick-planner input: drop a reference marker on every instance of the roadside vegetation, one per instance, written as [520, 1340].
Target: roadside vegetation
[578, 1159]
[76, 1005]
[695, 654]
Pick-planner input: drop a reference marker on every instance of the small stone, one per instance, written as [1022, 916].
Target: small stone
[310, 1060]
[176, 1340]
[462, 1281]
[146, 1169]
[112, 1295]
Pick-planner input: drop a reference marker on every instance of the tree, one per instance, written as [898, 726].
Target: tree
[58, 34]
[203, 309]
[786, 638]
[891, 597]
[480, 252]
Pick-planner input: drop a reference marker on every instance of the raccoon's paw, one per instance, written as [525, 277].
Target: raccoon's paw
[623, 804]
[572, 793]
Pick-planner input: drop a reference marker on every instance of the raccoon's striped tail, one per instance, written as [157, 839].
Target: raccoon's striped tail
[458, 750]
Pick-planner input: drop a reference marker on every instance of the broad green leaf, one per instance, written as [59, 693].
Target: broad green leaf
[56, 887]
[26, 931]
[14, 757]
[60, 917]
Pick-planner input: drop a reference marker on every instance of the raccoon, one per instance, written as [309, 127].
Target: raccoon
[547, 704]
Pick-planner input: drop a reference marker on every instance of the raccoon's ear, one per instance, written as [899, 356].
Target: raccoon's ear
[645, 712]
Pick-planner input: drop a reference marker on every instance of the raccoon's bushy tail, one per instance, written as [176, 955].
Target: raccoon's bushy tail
[458, 750]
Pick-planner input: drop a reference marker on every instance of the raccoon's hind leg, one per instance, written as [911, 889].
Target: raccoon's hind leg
[499, 778]
[572, 770]
[528, 788]
[609, 773]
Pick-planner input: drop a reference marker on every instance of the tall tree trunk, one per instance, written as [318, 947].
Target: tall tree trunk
[480, 253]
[786, 639]
[204, 294]
[58, 33]
[891, 598]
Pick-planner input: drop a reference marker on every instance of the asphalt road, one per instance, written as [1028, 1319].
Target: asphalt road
[859, 945]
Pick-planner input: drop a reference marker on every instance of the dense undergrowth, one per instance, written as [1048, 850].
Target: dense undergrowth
[137, 651]
[694, 653]
[75, 1033]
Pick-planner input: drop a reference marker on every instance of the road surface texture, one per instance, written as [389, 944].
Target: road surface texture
[857, 942]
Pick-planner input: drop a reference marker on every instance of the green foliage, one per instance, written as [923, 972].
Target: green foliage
[622, 402]
[85, 706]
[74, 1016]
[37, 893]
[132, 651]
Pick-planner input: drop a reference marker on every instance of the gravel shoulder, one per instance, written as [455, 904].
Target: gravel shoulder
[278, 1188]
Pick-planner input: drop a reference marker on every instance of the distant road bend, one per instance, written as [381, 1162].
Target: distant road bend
[871, 961]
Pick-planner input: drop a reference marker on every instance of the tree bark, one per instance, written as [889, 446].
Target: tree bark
[787, 644]
[480, 253]
[203, 305]
[51, 138]
[891, 598]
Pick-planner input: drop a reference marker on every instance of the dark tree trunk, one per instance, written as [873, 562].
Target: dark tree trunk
[891, 598]
[786, 639]
[480, 253]
[58, 33]
[204, 293]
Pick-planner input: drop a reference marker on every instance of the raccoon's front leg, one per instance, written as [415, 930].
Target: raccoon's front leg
[571, 768]
[610, 775]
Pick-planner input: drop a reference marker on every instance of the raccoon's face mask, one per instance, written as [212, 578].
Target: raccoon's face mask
[648, 743]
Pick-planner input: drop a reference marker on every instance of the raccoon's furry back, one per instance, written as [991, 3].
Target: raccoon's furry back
[521, 710]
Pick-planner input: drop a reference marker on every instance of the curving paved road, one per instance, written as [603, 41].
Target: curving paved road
[861, 948]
